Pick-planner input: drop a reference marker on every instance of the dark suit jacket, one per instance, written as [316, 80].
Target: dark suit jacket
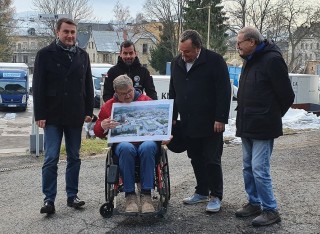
[201, 95]
[62, 90]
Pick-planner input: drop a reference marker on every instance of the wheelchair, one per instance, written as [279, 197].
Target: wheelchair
[114, 185]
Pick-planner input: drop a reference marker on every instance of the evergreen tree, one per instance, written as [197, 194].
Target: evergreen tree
[162, 53]
[6, 13]
[197, 19]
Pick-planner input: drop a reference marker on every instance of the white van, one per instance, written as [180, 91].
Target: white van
[99, 71]
[161, 83]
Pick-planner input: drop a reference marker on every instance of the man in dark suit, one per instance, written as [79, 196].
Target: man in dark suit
[63, 100]
[200, 87]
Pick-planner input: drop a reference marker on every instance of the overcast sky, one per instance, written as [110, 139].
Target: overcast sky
[102, 9]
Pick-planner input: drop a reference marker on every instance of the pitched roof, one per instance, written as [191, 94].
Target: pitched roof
[83, 39]
[109, 41]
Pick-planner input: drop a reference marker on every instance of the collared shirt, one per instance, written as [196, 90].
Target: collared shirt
[189, 65]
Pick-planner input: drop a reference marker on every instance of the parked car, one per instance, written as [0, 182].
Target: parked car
[99, 72]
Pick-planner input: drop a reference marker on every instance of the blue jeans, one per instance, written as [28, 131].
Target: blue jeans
[256, 172]
[52, 143]
[128, 154]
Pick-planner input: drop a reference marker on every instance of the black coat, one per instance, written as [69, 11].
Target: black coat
[140, 77]
[62, 90]
[264, 95]
[201, 95]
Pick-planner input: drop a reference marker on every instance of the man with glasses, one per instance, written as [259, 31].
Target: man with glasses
[264, 96]
[128, 152]
[129, 64]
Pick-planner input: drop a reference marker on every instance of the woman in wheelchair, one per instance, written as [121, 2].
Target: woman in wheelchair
[128, 153]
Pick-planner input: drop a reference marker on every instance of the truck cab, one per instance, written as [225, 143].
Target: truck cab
[14, 88]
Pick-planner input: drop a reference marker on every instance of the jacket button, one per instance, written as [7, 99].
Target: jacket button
[65, 93]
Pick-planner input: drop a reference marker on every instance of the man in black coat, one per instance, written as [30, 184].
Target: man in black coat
[200, 87]
[63, 100]
[264, 96]
[129, 64]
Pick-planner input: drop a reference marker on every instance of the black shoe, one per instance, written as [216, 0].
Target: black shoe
[267, 217]
[249, 210]
[75, 202]
[48, 208]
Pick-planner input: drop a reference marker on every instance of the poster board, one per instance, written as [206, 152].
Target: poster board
[142, 121]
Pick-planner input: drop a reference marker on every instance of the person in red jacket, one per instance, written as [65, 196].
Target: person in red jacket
[128, 152]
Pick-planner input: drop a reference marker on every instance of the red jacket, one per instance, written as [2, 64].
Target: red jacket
[105, 112]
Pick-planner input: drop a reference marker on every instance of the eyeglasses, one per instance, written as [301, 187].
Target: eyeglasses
[125, 94]
[240, 42]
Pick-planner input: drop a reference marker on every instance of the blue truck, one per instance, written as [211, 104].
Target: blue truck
[14, 86]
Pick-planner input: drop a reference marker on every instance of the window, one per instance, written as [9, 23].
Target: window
[14, 58]
[317, 46]
[145, 65]
[160, 28]
[24, 45]
[145, 48]
[25, 58]
[311, 46]
[19, 46]
[32, 45]
[94, 58]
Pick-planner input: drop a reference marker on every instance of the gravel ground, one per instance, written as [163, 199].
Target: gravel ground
[296, 179]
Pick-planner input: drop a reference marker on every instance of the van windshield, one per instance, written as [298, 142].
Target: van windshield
[98, 71]
[13, 87]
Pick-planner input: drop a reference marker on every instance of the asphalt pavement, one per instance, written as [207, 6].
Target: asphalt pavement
[295, 171]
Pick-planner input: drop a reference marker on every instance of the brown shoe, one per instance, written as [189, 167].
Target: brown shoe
[146, 202]
[248, 210]
[267, 217]
[131, 204]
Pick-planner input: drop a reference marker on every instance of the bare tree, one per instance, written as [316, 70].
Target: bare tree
[169, 14]
[300, 21]
[122, 16]
[76, 9]
[287, 21]
[257, 13]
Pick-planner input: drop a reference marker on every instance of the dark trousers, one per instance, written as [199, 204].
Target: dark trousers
[205, 154]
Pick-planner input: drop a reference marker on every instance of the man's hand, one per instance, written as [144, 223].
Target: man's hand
[218, 127]
[87, 119]
[41, 123]
[167, 141]
[108, 123]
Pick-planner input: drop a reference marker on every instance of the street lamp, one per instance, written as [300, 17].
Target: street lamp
[209, 13]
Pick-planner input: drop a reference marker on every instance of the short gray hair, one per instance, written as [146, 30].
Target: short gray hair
[193, 35]
[121, 82]
[250, 32]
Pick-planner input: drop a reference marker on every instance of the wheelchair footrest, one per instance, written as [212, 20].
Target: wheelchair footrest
[113, 174]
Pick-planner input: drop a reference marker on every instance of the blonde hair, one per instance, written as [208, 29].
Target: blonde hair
[121, 82]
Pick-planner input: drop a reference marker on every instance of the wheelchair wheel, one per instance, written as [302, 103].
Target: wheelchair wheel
[164, 179]
[106, 210]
